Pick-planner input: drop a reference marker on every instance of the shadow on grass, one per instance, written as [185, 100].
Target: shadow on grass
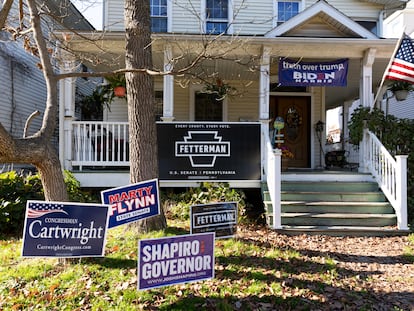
[346, 301]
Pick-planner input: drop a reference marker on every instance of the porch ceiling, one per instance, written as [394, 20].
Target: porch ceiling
[239, 57]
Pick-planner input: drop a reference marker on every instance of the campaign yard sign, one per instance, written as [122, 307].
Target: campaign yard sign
[220, 218]
[62, 229]
[173, 260]
[132, 203]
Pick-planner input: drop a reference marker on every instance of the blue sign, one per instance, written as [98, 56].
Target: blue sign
[219, 217]
[297, 73]
[174, 260]
[62, 229]
[132, 203]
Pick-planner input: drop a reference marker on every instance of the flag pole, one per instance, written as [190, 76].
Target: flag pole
[389, 65]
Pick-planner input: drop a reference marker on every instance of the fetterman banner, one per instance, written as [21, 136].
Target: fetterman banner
[297, 73]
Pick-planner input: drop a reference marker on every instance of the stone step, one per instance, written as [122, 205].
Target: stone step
[329, 186]
[338, 219]
[343, 230]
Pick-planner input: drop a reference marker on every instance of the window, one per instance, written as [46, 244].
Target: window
[208, 108]
[286, 10]
[158, 96]
[371, 26]
[217, 16]
[159, 17]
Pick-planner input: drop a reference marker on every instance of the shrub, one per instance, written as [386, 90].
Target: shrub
[395, 134]
[177, 205]
[16, 188]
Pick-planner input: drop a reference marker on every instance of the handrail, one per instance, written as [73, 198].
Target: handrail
[272, 169]
[97, 143]
[390, 174]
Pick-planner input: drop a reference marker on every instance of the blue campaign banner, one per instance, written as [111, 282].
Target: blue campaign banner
[174, 260]
[132, 203]
[63, 229]
[297, 73]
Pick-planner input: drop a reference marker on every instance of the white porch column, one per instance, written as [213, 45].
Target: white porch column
[401, 191]
[168, 88]
[264, 99]
[366, 98]
[66, 112]
[365, 86]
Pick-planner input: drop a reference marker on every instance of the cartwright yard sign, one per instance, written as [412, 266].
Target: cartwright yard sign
[58, 229]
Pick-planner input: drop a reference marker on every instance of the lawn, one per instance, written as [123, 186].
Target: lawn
[257, 270]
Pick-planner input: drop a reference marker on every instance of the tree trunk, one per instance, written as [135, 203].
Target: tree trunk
[38, 149]
[140, 98]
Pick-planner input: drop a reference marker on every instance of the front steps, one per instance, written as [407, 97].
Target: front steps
[341, 203]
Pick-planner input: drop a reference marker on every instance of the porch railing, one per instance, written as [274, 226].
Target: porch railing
[272, 174]
[390, 174]
[97, 143]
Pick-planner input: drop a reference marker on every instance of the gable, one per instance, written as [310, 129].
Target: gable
[321, 20]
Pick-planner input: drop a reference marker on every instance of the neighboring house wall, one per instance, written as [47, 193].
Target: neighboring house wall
[400, 21]
[22, 87]
[400, 109]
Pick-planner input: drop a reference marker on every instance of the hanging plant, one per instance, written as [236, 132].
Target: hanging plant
[401, 89]
[116, 86]
[219, 88]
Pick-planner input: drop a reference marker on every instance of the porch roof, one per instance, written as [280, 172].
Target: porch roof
[239, 57]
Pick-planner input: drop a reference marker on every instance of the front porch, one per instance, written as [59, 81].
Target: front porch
[98, 156]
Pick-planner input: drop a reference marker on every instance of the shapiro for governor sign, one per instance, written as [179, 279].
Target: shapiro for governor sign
[174, 260]
[61, 229]
[209, 151]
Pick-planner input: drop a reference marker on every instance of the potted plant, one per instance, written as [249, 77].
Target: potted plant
[116, 86]
[92, 106]
[400, 89]
[286, 156]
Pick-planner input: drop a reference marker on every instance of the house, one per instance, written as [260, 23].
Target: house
[291, 62]
[22, 84]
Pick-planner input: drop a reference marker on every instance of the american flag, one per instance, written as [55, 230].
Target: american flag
[402, 66]
[38, 209]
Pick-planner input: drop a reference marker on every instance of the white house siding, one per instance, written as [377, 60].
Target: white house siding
[244, 106]
[22, 87]
[181, 103]
[400, 109]
[253, 17]
[186, 17]
[114, 15]
[357, 10]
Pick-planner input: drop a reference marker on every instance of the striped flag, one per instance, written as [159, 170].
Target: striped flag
[402, 66]
[38, 209]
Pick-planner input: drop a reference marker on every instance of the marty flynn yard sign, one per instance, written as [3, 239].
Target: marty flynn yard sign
[132, 203]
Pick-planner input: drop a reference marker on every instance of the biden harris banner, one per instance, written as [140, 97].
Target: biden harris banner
[174, 260]
[298, 73]
[132, 203]
[62, 229]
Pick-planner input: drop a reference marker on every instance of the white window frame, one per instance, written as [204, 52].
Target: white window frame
[276, 13]
[199, 88]
[229, 19]
[169, 16]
